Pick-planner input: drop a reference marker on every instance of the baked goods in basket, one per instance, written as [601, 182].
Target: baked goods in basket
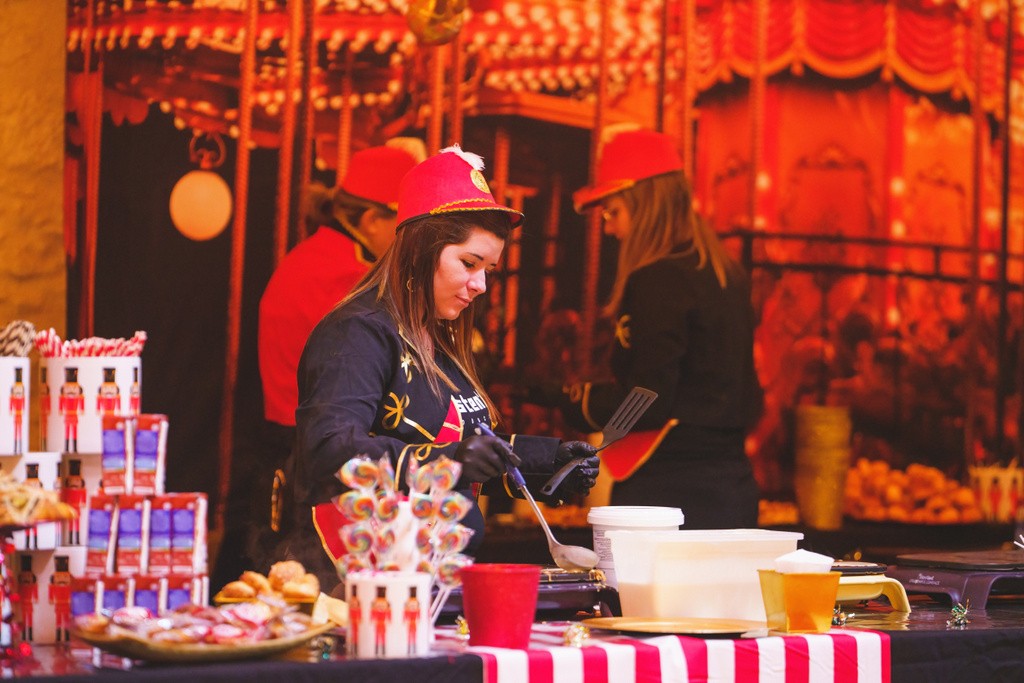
[287, 580]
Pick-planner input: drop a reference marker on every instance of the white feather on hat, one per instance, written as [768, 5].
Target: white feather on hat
[475, 161]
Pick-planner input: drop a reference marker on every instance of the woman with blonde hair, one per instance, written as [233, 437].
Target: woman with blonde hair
[684, 328]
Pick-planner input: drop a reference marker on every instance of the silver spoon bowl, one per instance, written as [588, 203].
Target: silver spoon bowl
[568, 557]
[571, 558]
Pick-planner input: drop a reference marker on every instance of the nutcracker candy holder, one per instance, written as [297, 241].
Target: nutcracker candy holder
[380, 615]
[74, 494]
[16, 405]
[28, 596]
[59, 595]
[72, 405]
[108, 396]
[135, 394]
[15, 410]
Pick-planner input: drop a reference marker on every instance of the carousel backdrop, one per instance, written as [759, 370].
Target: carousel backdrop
[863, 159]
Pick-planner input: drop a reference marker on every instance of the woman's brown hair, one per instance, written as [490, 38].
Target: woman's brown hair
[404, 280]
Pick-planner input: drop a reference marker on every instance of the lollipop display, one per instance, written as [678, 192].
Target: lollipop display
[391, 531]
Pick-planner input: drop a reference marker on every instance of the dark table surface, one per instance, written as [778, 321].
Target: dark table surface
[923, 647]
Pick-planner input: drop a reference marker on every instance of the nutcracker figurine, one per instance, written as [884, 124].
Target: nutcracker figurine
[411, 614]
[44, 405]
[17, 408]
[72, 405]
[28, 596]
[73, 493]
[135, 394]
[108, 396]
[32, 479]
[355, 617]
[380, 617]
[59, 595]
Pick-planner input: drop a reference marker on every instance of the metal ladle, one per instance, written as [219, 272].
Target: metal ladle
[568, 557]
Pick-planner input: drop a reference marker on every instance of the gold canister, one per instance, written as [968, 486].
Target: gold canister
[822, 462]
[799, 603]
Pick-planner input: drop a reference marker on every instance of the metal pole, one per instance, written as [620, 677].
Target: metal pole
[978, 117]
[1006, 139]
[592, 247]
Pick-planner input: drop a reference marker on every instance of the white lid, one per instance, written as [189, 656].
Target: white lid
[635, 516]
[803, 561]
[739, 537]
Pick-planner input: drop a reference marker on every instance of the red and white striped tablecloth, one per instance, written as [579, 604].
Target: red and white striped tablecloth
[841, 656]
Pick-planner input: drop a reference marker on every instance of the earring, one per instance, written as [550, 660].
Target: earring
[408, 284]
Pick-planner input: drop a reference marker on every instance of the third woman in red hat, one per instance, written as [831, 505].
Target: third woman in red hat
[684, 328]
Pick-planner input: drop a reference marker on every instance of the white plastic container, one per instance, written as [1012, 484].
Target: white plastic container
[627, 517]
[696, 573]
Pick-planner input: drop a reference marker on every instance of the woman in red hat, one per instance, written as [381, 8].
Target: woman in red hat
[390, 371]
[684, 328]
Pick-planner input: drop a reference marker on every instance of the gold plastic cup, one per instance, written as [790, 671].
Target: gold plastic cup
[799, 603]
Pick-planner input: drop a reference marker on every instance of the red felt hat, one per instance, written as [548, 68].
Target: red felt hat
[627, 158]
[448, 182]
[375, 173]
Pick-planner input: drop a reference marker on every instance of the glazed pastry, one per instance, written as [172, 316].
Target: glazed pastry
[238, 589]
[307, 587]
[283, 572]
[259, 582]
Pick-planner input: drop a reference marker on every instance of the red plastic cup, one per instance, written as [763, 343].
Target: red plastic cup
[499, 601]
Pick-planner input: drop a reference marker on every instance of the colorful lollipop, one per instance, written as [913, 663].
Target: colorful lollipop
[425, 540]
[356, 505]
[384, 540]
[351, 563]
[454, 539]
[446, 473]
[358, 473]
[447, 577]
[358, 538]
[386, 475]
[387, 508]
[422, 505]
[449, 568]
[420, 478]
[453, 507]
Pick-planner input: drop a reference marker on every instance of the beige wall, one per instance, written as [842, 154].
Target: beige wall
[32, 58]
[32, 65]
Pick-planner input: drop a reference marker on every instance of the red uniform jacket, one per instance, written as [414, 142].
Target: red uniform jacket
[311, 279]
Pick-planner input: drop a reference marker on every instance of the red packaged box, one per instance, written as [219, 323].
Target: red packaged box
[118, 454]
[150, 454]
[132, 534]
[188, 533]
[99, 557]
[148, 591]
[161, 509]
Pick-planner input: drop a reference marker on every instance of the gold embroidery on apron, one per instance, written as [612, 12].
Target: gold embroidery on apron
[394, 414]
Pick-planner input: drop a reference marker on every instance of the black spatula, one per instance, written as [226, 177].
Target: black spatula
[620, 424]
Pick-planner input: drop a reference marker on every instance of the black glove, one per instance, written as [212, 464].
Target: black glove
[584, 476]
[483, 458]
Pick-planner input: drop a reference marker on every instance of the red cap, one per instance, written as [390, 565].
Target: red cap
[628, 157]
[448, 182]
[374, 174]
